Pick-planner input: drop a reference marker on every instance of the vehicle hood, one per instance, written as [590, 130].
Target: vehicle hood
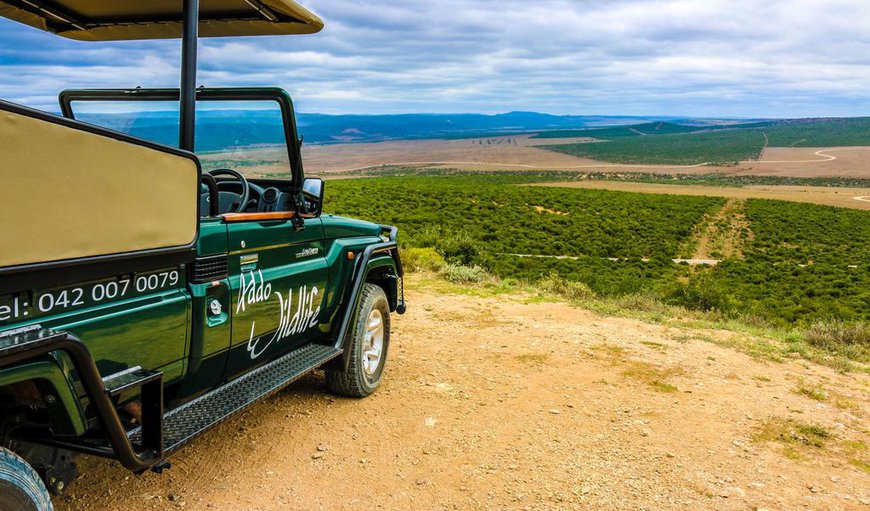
[335, 226]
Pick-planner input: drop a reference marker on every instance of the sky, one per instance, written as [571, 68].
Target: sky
[698, 58]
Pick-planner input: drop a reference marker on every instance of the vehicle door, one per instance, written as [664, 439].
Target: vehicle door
[278, 280]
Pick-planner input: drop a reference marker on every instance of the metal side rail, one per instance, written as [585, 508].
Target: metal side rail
[189, 420]
[22, 345]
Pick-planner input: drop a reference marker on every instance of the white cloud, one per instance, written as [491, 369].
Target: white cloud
[683, 57]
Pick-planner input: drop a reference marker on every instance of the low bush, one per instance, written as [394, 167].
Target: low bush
[459, 274]
[849, 339]
[570, 290]
[422, 259]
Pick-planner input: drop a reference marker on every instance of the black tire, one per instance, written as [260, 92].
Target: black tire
[21, 489]
[360, 379]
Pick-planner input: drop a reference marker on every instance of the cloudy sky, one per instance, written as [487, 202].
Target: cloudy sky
[716, 58]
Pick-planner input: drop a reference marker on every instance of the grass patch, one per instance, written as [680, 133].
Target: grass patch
[816, 392]
[610, 350]
[797, 438]
[655, 345]
[856, 451]
[801, 439]
[533, 358]
[654, 377]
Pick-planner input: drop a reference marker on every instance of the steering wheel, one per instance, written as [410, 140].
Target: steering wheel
[229, 202]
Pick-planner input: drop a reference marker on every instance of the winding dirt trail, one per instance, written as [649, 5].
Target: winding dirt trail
[823, 157]
[510, 403]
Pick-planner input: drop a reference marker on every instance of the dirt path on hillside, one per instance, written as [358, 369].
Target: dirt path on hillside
[502, 404]
[722, 235]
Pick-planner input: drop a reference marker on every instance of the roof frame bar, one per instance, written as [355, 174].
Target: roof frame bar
[54, 13]
[263, 10]
[189, 36]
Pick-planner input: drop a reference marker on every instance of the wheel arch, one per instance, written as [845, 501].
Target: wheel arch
[381, 271]
[48, 381]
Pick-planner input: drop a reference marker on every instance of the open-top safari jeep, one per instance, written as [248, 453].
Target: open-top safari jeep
[144, 300]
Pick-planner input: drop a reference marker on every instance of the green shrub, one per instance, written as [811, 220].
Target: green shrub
[570, 290]
[422, 259]
[459, 274]
[459, 248]
[642, 302]
[850, 339]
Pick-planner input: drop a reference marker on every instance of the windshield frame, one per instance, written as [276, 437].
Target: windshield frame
[275, 94]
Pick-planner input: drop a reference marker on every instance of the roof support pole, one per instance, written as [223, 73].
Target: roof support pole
[190, 34]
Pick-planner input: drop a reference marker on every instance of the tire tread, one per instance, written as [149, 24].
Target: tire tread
[347, 383]
[14, 470]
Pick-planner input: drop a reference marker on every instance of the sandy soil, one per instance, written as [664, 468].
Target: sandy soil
[497, 153]
[830, 196]
[813, 162]
[519, 153]
[509, 404]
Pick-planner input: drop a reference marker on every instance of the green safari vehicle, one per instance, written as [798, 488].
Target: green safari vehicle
[149, 289]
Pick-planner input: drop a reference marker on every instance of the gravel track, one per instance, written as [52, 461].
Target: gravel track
[510, 403]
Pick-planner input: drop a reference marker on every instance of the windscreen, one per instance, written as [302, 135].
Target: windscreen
[247, 136]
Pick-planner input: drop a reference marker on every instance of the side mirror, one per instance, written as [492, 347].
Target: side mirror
[312, 193]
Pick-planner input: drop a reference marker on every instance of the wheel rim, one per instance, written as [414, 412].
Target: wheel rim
[373, 343]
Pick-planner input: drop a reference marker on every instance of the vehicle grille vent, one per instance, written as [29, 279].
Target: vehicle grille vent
[209, 269]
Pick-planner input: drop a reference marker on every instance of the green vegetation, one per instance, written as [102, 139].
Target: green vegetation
[636, 130]
[609, 133]
[676, 144]
[835, 336]
[803, 269]
[720, 147]
[797, 437]
[802, 441]
[806, 263]
[473, 217]
[543, 176]
[853, 131]
[816, 391]
[655, 377]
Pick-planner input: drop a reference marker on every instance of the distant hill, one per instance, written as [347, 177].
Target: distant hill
[665, 143]
[219, 129]
[639, 130]
[320, 128]
[225, 128]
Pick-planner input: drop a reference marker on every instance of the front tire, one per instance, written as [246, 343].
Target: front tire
[370, 341]
[21, 489]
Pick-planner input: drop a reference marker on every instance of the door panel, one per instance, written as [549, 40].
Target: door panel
[131, 320]
[278, 279]
[210, 317]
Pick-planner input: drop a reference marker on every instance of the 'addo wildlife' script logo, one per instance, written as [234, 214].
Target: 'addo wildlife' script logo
[298, 313]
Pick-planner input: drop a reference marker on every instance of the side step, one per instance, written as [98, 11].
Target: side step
[189, 420]
[131, 378]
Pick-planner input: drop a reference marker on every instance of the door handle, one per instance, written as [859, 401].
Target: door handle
[249, 262]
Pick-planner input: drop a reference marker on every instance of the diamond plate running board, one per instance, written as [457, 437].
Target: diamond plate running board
[189, 420]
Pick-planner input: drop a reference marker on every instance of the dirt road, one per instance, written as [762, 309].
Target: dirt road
[511, 403]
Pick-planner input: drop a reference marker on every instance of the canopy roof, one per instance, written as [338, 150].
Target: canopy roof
[119, 20]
